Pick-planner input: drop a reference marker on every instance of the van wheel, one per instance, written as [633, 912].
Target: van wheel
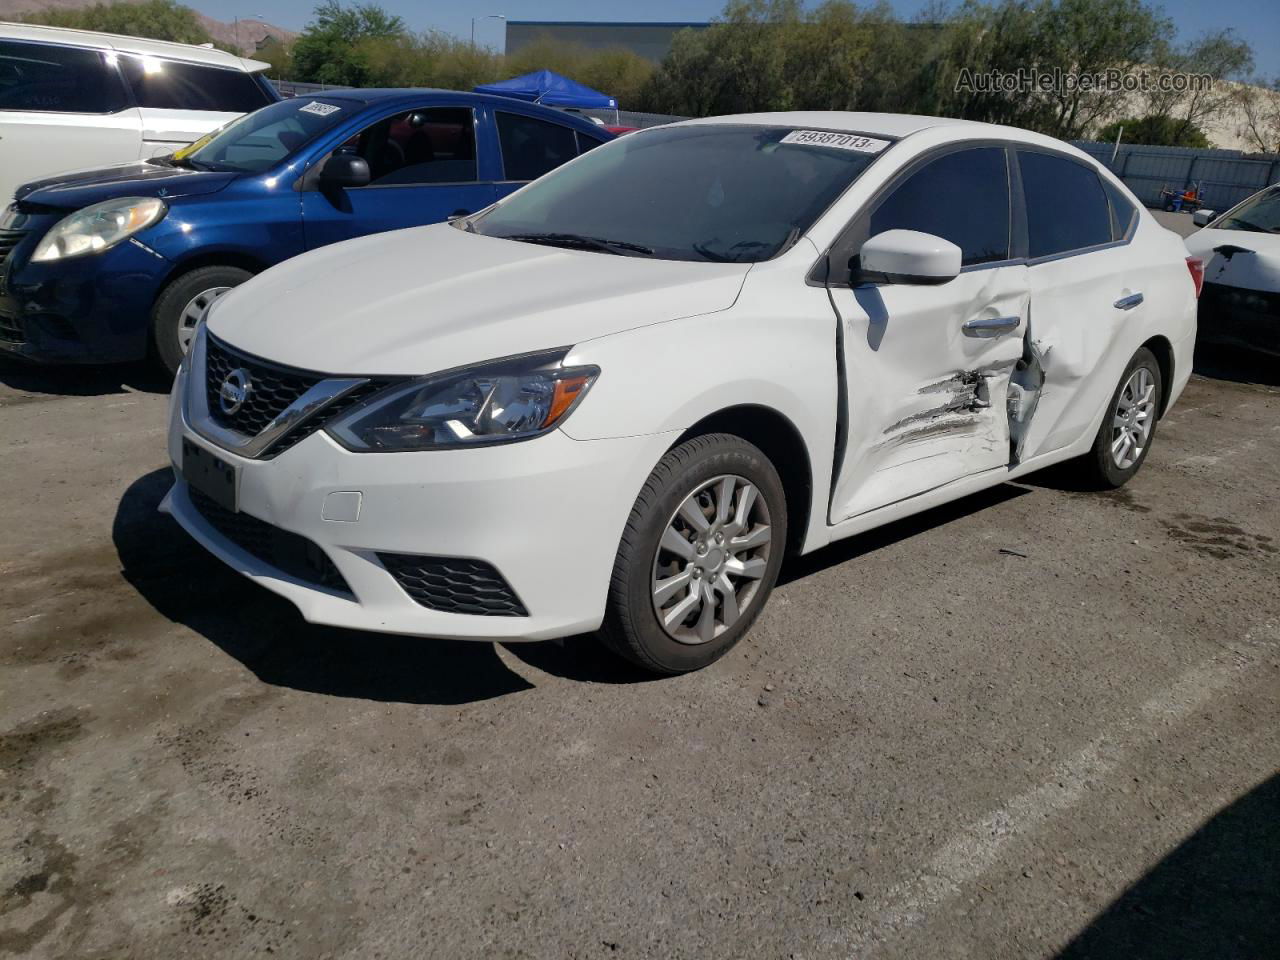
[181, 305]
[1129, 426]
[699, 556]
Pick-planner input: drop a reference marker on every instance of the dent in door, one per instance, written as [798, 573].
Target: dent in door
[964, 409]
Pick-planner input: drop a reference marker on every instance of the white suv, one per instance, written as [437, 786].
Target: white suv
[618, 396]
[72, 99]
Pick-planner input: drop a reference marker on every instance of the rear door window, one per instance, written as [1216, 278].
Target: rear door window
[173, 85]
[47, 78]
[962, 197]
[1067, 208]
[532, 147]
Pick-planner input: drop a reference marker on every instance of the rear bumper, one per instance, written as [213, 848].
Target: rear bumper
[1240, 317]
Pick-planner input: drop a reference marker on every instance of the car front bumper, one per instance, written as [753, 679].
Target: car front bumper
[547, 514]
[94, 309]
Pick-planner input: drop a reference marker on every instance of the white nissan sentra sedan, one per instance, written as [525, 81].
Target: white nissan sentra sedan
[615, 399]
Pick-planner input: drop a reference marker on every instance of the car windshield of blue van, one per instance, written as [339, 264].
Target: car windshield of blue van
[727, 193]
[259, 140]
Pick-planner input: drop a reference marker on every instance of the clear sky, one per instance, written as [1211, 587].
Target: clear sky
[1258, 21]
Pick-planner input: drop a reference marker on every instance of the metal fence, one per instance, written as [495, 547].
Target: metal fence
[1225, 177]
[291, 88]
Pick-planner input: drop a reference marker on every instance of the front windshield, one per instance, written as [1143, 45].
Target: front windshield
[259, 140]
[719, 192]
[1258, 214]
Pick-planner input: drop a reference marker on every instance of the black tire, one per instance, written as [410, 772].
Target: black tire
[166, 316]
[631, 625]
[1098, 468]
[1169, 206]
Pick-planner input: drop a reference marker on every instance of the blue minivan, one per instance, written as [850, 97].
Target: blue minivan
[112, 264]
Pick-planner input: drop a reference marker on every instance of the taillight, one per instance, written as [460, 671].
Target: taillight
[1196, 266]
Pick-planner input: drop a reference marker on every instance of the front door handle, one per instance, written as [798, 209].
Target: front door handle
[985, 328]
[1129, 302]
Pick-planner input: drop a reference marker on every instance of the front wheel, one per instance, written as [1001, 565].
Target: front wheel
[181, 305]
[699, 556]
[1128, 427]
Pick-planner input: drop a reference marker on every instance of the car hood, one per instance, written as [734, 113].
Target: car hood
[1256, 266]
[79, 188]
[431, 298]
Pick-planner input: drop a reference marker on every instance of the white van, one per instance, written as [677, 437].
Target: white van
[72, 99]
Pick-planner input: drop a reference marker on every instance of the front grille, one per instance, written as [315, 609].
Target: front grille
[11, 328]
[287, 552]
[454, 585]
[272, 388]
[8, 240]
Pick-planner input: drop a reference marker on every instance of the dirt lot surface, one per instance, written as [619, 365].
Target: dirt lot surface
[1038, 721]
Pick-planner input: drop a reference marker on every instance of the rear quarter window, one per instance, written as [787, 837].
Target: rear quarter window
[48, 78]
[1123, 213]
[173, 85]
[532, 147]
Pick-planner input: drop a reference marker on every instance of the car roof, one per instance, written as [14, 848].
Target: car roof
[894, 125]
[390, 95]
[145, 48]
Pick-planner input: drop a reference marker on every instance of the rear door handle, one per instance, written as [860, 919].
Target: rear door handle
[985, 328]
[1129, 302]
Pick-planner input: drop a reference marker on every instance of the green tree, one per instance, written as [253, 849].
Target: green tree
[331, 49]
[153, 19]
[1154, 130]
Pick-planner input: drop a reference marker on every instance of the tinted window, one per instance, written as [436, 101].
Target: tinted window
[716, 192]
[532, 147]
[587, 142]
[170, 85]
[257, 141]
[1123, 212]
[420, 146]
[46, 78]
[962, 197]
[1066, 206]
[1259, 214]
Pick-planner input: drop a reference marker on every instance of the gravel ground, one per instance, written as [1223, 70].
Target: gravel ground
[1036, 721]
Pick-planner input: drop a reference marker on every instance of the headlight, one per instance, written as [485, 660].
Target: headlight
[98, 227]
[499, 402]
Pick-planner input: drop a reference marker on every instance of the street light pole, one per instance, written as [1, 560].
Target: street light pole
[487, 16]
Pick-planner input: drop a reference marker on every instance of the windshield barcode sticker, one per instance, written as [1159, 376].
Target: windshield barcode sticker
[319, 109]
[840, 141]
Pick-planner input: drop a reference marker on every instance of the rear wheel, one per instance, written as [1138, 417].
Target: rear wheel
[699, 556]
[1129, 426]
[181, 305]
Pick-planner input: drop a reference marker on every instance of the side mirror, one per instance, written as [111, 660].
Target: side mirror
[344, 170]
[1201, 218]
[907, 256]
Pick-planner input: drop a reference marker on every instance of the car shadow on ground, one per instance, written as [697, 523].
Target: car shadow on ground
[796, 568]
[1236, 364]
[1216, 895]
[83, 381]
[187, 585]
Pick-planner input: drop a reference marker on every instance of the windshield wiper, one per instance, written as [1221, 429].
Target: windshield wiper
[1253, 227]
[575, 241]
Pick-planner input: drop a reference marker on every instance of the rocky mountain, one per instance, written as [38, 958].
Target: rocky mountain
[249, 36]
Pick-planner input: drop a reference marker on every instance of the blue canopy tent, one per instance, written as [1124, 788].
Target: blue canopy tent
[551, 89]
